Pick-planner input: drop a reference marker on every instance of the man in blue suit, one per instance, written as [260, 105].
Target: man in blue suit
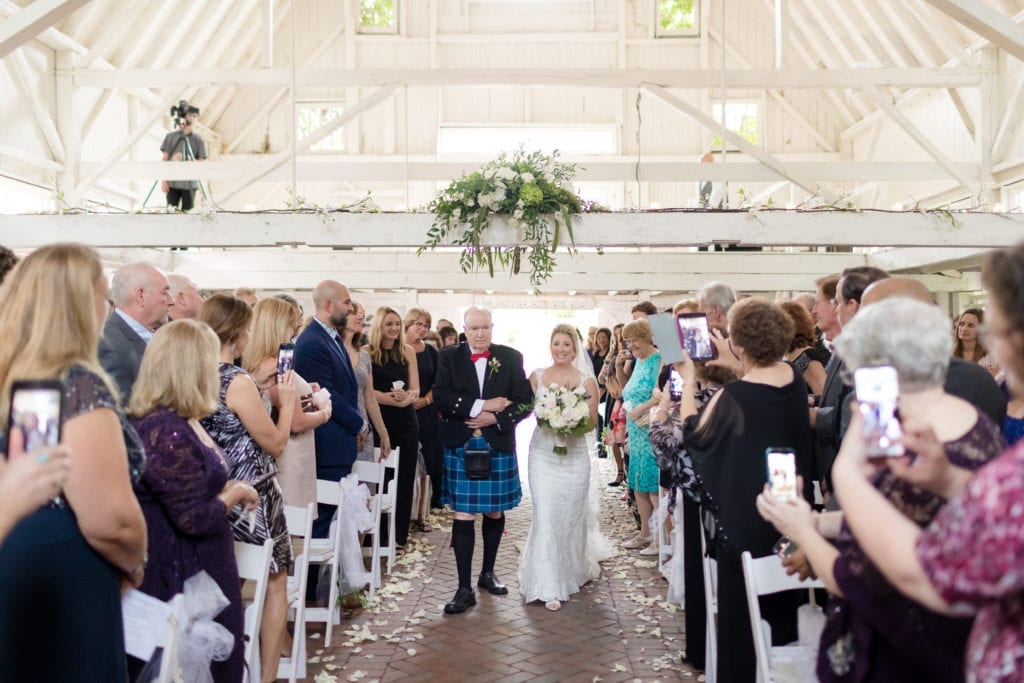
[320, 358]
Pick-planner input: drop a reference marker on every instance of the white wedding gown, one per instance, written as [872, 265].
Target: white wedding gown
[565, 543]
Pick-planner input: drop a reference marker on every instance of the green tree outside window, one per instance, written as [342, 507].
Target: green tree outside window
[377, 13]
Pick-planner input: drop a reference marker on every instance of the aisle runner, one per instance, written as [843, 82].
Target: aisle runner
[618, 628]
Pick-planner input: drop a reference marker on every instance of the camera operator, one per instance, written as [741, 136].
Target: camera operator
[182, 144]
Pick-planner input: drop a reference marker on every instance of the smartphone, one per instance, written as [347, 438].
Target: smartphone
[675, 385]
[695, 336]
[35, 417]
[285, 358]
[784, 548]
[781, 466]
[878, 395]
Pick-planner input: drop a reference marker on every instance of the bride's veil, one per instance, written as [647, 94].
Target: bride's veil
[599, 548]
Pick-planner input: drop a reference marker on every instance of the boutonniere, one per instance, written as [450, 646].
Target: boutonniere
[494, 364]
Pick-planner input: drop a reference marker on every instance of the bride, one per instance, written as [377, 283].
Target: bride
[565, 545]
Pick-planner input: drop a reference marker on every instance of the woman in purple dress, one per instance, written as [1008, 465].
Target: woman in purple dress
[185, 491]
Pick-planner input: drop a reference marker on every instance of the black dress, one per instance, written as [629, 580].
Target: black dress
[60, 601]
[729, 456]
[428, 418]
[403, 432]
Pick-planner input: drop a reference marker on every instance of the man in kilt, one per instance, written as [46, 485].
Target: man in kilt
[481, 392]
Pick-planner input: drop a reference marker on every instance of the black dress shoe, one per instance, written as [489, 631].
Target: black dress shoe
[463, 600]
[489, 582]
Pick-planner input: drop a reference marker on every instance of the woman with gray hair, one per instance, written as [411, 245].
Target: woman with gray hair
[871, 630]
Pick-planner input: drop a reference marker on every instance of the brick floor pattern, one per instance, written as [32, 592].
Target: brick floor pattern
[618, 628]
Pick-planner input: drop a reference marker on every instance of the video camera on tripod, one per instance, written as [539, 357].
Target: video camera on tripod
[180, 112]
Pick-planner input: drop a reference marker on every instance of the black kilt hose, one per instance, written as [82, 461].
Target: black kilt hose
[455, 392]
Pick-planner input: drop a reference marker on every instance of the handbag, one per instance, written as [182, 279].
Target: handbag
[477, 463]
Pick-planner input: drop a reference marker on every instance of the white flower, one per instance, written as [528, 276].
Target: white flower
[457, 213]
[527, 177]
[505, 173]
[517, 214]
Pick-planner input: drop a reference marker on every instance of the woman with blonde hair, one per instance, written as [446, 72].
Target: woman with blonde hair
[362, 366]
[396, 384]
[251, 441]
[275, 321]
[94, 526]
[417, 325]
[185, 492]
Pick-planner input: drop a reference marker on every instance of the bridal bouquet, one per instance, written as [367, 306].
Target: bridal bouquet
[564, 411]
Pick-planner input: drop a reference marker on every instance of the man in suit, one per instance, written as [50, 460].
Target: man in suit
[320, 358]
[140, 293]
[481, 392]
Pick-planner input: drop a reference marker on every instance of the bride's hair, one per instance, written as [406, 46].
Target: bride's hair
[563, 328]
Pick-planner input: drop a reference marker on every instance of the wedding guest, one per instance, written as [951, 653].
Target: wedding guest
[598, 356]
[637, 399]
[871, 632]
[417, 323]
[251, 441]
[969, 344]
[275, 322]
[185, 297]
[614, 418]
[766, 407]
[369, 409]
[8, 259]
[246, 294]
[396, 385]
[967, 560]
[449, 336]
[185, 492]
[63, 565]
[434, 339]
[804, 352]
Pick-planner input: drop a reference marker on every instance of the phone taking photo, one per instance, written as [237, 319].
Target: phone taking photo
[781, 467]
[878, 395]
[695, 336]
[285, 358]
[675, 385]
[34, 421]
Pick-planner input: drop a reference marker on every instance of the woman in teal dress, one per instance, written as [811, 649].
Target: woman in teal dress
[637, 399]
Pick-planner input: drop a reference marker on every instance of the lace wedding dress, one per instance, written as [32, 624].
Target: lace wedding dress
[565, 543]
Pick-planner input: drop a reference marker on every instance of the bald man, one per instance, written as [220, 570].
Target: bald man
[320, 358]
[140, 293]
[965, 379]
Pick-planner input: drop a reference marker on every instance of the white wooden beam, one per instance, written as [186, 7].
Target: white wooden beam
[694, 79]
[67, 128]
[986, 22]
[399, 168]
[18, 67]
[267, 37]
[17, 30]
[350, 114]
[710, 124]
[667, 229]
[1010, 127]
[883, 102]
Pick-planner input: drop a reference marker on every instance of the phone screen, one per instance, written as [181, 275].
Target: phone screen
[675, 385]
[285, 358]
[695, 336]
[878, 394]
[34, 420]
[781, 463]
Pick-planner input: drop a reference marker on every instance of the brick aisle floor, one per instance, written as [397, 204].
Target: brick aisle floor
[618, 628]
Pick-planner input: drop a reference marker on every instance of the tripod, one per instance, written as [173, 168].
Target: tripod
[187, 155]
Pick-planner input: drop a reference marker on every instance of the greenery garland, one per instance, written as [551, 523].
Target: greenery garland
[533, 189]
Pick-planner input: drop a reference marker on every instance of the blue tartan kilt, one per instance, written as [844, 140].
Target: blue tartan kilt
[501, 492]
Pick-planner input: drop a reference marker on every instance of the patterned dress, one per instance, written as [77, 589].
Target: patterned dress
[362, 372]
[248, 462]
[972, 555]
[643, 470]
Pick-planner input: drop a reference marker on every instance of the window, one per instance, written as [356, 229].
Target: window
[309, 118]
[741, 118]
[378, 16]
[486, 142]
[677, 18]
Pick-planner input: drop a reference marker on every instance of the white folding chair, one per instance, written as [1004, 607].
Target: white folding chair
[710, 569]
[322, 551]
[387, 507]
[254, 565]
[143, 635]
[373, 473]
[300, 528]
[766, 576]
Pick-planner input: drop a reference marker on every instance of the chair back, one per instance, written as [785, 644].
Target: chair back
[142, 615]
[710, 570]
[254, 565]
[300, 526]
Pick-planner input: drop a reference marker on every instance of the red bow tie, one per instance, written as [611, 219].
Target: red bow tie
[477, 356]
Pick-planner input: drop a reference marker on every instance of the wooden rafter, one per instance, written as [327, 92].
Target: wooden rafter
[986, 22]
[26, 24]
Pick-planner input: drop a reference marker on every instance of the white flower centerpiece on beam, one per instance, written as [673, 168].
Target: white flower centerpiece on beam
[515, 206]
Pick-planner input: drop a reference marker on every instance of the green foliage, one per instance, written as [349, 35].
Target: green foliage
[534, 190]
[746, 130]
[677, 15]
[377, 13]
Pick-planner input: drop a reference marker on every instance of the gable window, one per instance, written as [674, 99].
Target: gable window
[677, 18]
[741, 118]
[310, 117]
[378, 16]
